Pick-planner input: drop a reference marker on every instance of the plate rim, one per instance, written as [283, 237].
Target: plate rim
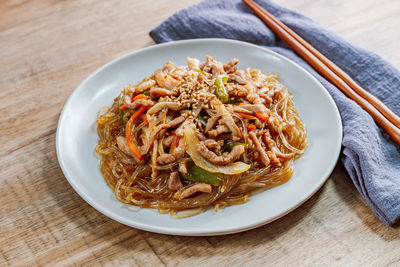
[190, 232]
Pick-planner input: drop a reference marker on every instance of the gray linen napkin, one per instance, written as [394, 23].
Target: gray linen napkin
[369, 155]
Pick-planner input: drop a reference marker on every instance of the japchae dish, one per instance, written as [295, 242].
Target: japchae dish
[201, 135]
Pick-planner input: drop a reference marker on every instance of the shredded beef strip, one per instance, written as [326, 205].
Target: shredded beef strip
[158, 91]
[193, 63]
[211, 122]
[270, 143]
[137, 103]
[182, 167]
[170, 105]
[236, 132]
[165, 80]
[231, 65]
[263, 155]
[165, 159]
[174, 181]
[168, 141]
[123, 146]
[201, 187]
[225, 159]
[255, 108]
[239, 77]
[220, 129]
[213, 145]
[168, 67]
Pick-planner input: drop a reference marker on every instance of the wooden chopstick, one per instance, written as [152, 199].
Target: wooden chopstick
[383, 116]
[381, 107]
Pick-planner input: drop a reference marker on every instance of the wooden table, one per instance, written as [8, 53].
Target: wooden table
[48, 47]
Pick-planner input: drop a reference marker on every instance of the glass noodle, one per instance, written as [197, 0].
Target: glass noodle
[133, 183]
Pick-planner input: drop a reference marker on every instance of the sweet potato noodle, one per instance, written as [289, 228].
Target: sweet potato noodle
[206, 134]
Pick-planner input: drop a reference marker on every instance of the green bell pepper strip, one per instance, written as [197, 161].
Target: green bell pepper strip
[220, 90]
[202, 120]
[200, 71]
[126, 116]
[197, 174]
[123, 114]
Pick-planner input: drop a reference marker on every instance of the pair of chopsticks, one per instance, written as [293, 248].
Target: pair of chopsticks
[382, 115]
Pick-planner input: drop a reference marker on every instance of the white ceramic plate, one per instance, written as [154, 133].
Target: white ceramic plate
[77, 137]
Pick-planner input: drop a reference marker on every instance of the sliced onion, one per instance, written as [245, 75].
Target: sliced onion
[192, 140]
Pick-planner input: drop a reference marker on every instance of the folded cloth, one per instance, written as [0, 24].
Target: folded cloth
[371, 158]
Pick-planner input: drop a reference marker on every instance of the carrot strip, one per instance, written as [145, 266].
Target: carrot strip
[128, 132]
[135, 150]
[122, 107]
[251, 127]
[145, 118]
[247, 116]
[139, 96]
[138, 113]
[261, 116]
[176, 77]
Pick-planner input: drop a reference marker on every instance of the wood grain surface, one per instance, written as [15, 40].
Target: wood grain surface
[48, 47]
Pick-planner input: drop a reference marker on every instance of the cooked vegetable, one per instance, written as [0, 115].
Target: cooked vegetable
[261, 116]
[202, 120]
[197, 174]
[247, 116]
[192, 140]
[128, 132]
[251, 127]
[220, 90]
[121, 101]
[139, 96]
[138, 113]
[183, 139]
[126, 115]
[122, 108]
[200, 71]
